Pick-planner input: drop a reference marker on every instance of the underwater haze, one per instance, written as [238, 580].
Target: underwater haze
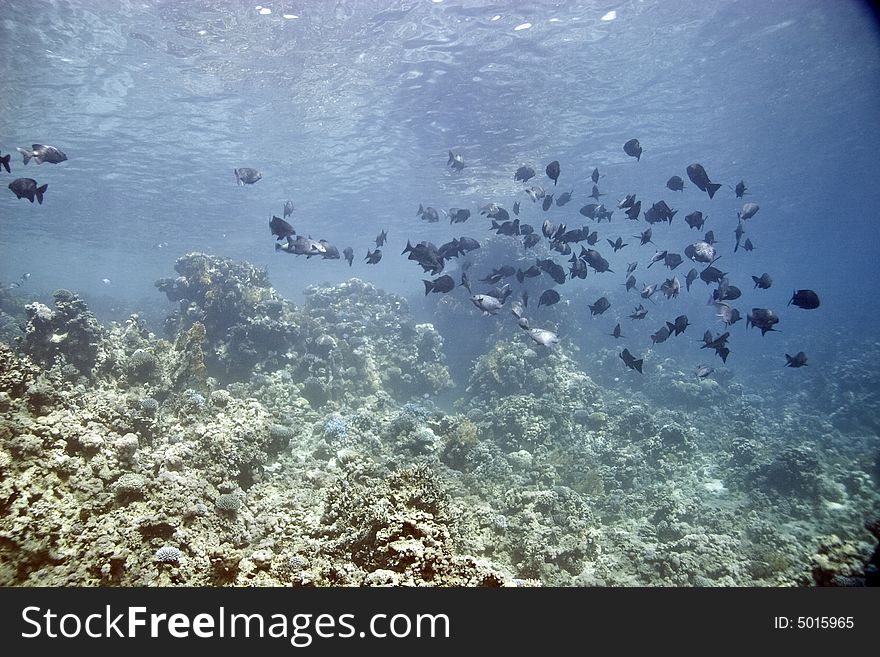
[219, 411]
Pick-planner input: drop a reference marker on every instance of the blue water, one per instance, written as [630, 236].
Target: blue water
[349, 109]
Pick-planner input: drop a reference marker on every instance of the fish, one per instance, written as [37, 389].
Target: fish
[563, 248]
[700, 251]
[748, 211]
[552, 171]
[246, 176]
[599, 306]
[763, 281]
[672, 260]
[27, 188]
[531, 272]
[645, 238]
[630, 283]
[516, 207]
[553, 270]
[806, 299]
[595, 175]
[603, 213]
[748, 246]
[535, 193]
[288, 208]
[455, 161]
[348, 253]
[301, 246]
[617, 244]
[466, 282]
[543, 337]
[4, 162]
[726, 314]
[627, 202]
[42, 153]
[330, 251]
[616, 332]
[531, 240]
[660, 211]
[441, 285]
[506, 228]
[700, 178]
[711, 275]
[678, 325]
[660, 335]
[517, 309]
[676, 184]
[633, 212]
[548, 201]
[21, 280]
[631, 267]
[595, 260]
[726, 291]
[648, 291]
[467, 244]
[738, 233]
[695, 220]
[381, 238]
[740, 189]
[280, 228]
[428, 214]
[634, 149]
[640, 312]
[671, 287]
[798, 360]
[488, 304]
[631, 361]
[526, 229]
[458, 216]
[373, 257]
[595, 193]
[703, 371]
[762, 318]
[709, 237]
[690, 278]
[718, 343]
[589, 210]
[592, 238]
[657, 257]
[524, 174]
[548, 298]
[578, 268]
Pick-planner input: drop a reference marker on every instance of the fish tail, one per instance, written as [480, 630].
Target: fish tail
[711, 188]
[5, 162]
[429, 286]
[638, 364]
[25, 154]
[451, 159]
[277, 246]
[39, 193]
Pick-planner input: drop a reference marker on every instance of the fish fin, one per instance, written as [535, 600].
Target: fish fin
[5, 162]
[711, 188]
[39, 193]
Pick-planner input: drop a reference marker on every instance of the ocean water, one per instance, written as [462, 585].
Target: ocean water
[349, 110]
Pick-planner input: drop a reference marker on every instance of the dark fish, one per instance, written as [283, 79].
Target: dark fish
[578, 268]
[553, 270]
[679, 325]
[617, 244]
[531, 272]
[700, 178]
[639, 313]
[660, 335]
[381, 238]
[660, 211]
[449, 250]
[616, 332]
[728, 315]
[628, 201]
[592, 238]
[548, 298]
[603, 213]
[458, 216]
[748, 211]
[631, 267]
[595, 193]
[288, 208]
[563, 248]
[4, 162]
[373, 256]
[711, 275]
[595, 260]
[531, 240]
[671, 287]
[634, 149]
[657, 257]
[466, 282]
[630, 283]
[506, 228]
[748, 246]
[428, 214]
[703, 371]
[676, 184]
[762, 318]
[695, 220]
[645, 238]
[738, 233]
[442, 285]
[763, 281]
[348, 253]
[719, 344]
[709, 237]
[246, 176]
[27, 188]
[526, 229]
[43, 153]
[280, 228]
[330, 252]
[467, 244]
[806, 299]
[574, 235]
[589, 210]
[740, 189]
[495, 211]
[553, 171]
[672, 260]
[599, 306]
[455, 161]
[726, 291]
[524, 174]
[516, 207]
[633, 212]
[548, 201]
[798, 360]
[631, 361]
[690, 278]
[595, 176]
